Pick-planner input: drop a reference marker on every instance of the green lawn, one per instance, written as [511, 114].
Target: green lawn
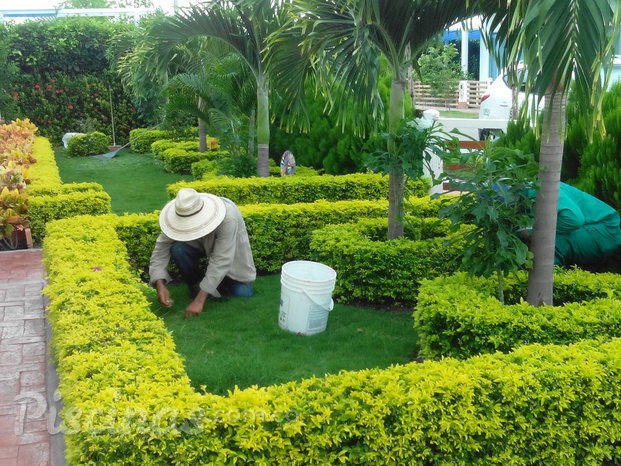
[136, 182]
[238, 342]
[458, 114]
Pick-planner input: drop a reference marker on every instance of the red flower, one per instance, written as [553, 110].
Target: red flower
[49, 121]
[57, 91]
[70, 107]
[96, 95]
[37, 86]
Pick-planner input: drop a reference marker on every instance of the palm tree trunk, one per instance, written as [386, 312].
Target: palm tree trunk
[541, 277]
[202, 136]
[202, 128]
[396, 181]
[263, 129]
[251, 131]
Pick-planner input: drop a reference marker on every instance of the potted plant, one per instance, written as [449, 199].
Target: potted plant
[14, 224]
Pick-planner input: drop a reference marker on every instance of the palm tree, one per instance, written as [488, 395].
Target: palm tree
[217, 90]
[342, 42]
[244, 25]
[560, 41]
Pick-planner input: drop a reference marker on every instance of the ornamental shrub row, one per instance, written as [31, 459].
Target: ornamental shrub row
[293, 190]
[371, 269]
[278, 232]
[459, 316]
[178, 160]
[142, 138]
[49, 199]
[127, 399]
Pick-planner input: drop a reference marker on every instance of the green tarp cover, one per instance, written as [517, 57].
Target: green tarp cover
[587, 229]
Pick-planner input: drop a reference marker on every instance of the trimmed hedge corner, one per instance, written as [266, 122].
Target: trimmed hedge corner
[49, 199]
[460, 316]
[371, 269]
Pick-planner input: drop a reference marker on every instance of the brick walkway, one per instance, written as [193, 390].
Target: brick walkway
[24, 434]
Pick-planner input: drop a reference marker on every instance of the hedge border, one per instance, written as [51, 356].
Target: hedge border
[127, 399]
[460, 316]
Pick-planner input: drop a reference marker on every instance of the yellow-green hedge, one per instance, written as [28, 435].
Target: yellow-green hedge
[49, 199]
[460, 315]
[371, 269]
[128, 401]
[293, 190]
[278, 232]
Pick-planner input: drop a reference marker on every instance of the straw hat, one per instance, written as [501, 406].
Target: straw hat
[191, 215]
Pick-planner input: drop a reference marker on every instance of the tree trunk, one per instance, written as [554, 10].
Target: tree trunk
[263, 129]
[396, 181]
[541, 277]
[202, 136]
[251, 131]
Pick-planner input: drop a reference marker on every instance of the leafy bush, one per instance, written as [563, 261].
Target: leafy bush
[291, 223]
[204, 169]
[373, 270]
[177, 160]
[49, 199]
[459, 316]
[142, 138]
[88, 144]
[292, 189]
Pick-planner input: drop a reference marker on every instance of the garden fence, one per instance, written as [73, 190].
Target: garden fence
[467, 96]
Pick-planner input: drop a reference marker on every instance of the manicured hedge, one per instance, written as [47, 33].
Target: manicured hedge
[49, 199]
[128, 401]
[293, 190]
[460, 315]
[180, 161]
[371, 269]
[278, 232]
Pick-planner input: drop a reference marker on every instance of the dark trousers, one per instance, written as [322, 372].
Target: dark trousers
[188, 261]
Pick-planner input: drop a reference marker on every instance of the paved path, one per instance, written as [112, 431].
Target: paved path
[24, 434]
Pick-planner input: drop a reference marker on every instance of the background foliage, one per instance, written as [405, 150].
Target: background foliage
[59, 77]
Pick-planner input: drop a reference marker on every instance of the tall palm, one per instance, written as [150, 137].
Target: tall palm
[342, 42]
[559, 41]
[244, 25]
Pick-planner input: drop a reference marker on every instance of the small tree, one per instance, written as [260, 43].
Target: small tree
[494, 196]
[440, 70]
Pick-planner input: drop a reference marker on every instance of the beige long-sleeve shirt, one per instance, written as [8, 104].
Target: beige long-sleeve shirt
[227, 247]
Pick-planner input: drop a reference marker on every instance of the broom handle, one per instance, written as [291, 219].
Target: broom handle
[112, 117]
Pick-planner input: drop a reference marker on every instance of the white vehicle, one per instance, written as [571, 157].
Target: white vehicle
[496, 103]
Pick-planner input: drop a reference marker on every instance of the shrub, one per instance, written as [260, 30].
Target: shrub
[88, 144]
[159, 146]
[292, 224]
[49, 199]
[177, 160]
[142, 138]
[371, 269]
[292, 189]
[459, 316]
[204, 169]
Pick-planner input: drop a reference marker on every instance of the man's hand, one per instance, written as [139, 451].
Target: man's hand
[196, 307]
[163, 295]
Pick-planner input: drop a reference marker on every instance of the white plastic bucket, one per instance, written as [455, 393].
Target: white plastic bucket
[306, 296]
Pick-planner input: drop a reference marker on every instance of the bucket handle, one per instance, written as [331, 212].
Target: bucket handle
[330, 306]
